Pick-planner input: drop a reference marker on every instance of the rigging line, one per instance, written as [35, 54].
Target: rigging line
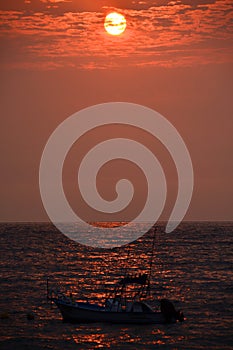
[152, 255]
[127, 259]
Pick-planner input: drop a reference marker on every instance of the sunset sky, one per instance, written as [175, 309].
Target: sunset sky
[175, 57]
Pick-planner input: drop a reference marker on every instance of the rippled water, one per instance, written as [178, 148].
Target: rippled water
[192, 266]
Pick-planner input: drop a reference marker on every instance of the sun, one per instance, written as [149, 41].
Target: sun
[115, 23]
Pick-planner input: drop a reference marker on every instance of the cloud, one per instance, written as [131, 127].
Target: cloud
[177, 33]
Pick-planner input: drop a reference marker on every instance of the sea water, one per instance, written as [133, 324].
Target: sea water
[191, 266]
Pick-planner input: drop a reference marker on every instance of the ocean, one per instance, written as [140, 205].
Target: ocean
[191, 266]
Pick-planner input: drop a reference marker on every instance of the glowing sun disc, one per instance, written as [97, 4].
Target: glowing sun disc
[115, 23]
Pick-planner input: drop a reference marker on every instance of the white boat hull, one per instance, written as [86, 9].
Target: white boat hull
[75, 313]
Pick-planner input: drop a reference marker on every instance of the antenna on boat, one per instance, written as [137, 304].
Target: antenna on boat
[127, 259]
[47, 288]
[152, 257]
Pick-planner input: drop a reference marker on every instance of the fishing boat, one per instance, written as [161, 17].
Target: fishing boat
[120, 307]
[126, 303]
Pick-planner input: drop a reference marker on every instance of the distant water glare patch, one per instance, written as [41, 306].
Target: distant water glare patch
[70, 130]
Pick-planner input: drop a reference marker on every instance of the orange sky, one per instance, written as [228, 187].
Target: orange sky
[175, 57]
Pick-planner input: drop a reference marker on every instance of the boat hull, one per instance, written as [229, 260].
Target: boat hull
[76, 314]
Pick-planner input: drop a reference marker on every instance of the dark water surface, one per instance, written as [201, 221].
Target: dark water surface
[192, 267]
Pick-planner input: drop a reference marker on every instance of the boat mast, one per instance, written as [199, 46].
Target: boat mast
[127, 259]
[152, 258]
